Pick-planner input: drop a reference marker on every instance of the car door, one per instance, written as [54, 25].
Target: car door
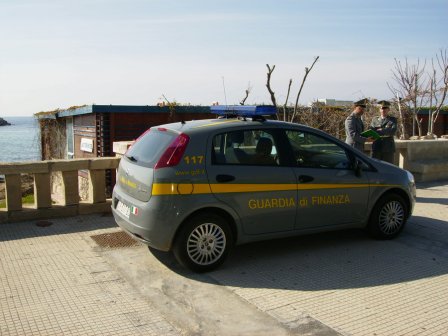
[246, 173]
[329, 192]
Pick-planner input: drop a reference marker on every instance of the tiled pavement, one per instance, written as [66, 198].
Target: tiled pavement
[55, 280]
[353, 284]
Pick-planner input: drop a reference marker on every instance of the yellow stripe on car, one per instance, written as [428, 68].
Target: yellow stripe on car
[160, 189]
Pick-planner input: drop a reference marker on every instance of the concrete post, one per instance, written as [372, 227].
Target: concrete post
[97, 186]
[403, 158]
[13, 190]
[42, 191]
[70, 187]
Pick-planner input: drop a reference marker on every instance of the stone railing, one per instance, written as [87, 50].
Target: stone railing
[427, 160]
[69, 201]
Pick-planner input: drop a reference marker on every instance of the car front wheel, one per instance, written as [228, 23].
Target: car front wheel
[388, 217]
[203, 243]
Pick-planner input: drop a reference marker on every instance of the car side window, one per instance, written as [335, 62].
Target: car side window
[313, 151]
[245, 147]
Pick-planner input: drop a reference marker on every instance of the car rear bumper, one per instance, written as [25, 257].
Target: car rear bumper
[140, 234]
[149, 226]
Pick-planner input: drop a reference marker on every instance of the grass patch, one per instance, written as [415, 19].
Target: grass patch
[28, 199]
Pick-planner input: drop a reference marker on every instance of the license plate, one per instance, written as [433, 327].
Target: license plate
[123, 209]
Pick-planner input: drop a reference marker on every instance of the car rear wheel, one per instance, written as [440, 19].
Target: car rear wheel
[388, 217]
[203, 243]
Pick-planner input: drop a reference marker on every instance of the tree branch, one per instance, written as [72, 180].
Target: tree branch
[248, 90]
[442, 62]
[307, 71]
[268, 84]
[286, 101]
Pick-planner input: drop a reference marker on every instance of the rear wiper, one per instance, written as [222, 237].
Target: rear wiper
[133, 159]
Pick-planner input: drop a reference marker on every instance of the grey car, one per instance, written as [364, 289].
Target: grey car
[197, 188]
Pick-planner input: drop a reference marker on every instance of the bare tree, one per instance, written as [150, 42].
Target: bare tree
[287, 116]
[247, 92]
[403, 128]
[268, 85]
[438, 88]
[307, 71]
[285, 106]
[410, 85]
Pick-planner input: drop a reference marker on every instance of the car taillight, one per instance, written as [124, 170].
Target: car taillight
[173, 154]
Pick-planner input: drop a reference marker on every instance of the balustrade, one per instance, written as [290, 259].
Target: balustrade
[69, 202]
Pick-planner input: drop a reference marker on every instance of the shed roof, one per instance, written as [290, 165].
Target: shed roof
[87, 109]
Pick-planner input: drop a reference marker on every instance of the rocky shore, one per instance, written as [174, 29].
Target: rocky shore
[3, 122]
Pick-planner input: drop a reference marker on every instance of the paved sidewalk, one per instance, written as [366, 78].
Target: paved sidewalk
[352, 284]
[53, 281]
[56, 280]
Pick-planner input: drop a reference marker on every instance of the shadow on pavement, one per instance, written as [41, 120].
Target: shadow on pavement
[50, 227]
[433, 184]
[432, 200]
[338, 260]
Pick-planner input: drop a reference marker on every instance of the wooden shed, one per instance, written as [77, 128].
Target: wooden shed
[90, 131]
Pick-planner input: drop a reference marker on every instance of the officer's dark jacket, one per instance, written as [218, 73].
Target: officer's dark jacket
[388, 128]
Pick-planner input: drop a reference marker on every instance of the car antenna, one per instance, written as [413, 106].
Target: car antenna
[224, 87]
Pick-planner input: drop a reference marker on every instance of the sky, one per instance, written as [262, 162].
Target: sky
[62, 53]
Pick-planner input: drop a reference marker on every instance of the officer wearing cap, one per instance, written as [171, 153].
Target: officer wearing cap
[354, 126]
[386, 126]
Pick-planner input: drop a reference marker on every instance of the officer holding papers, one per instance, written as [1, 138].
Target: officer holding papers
[354, 126]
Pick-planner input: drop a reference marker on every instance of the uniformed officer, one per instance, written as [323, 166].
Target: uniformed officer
[354, 126]
[386, 126]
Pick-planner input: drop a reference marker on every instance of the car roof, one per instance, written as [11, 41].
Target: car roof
[210, 125]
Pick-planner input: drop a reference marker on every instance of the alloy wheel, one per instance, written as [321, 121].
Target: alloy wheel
[391, 217]
[206, 244]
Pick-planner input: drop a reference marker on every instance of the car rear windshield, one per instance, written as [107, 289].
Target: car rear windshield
[147, 150]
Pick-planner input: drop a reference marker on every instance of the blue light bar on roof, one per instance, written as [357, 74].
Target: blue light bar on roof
[244, 110]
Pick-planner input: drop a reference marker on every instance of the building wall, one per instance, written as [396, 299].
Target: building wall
[335, 102]
[103, 129]
[129, 126]
[440, 127]
[84, 130]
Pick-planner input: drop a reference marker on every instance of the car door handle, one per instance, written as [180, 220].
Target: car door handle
[224, 178]
[305, 178]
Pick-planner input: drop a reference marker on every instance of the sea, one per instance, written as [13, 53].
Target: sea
[20, 141]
